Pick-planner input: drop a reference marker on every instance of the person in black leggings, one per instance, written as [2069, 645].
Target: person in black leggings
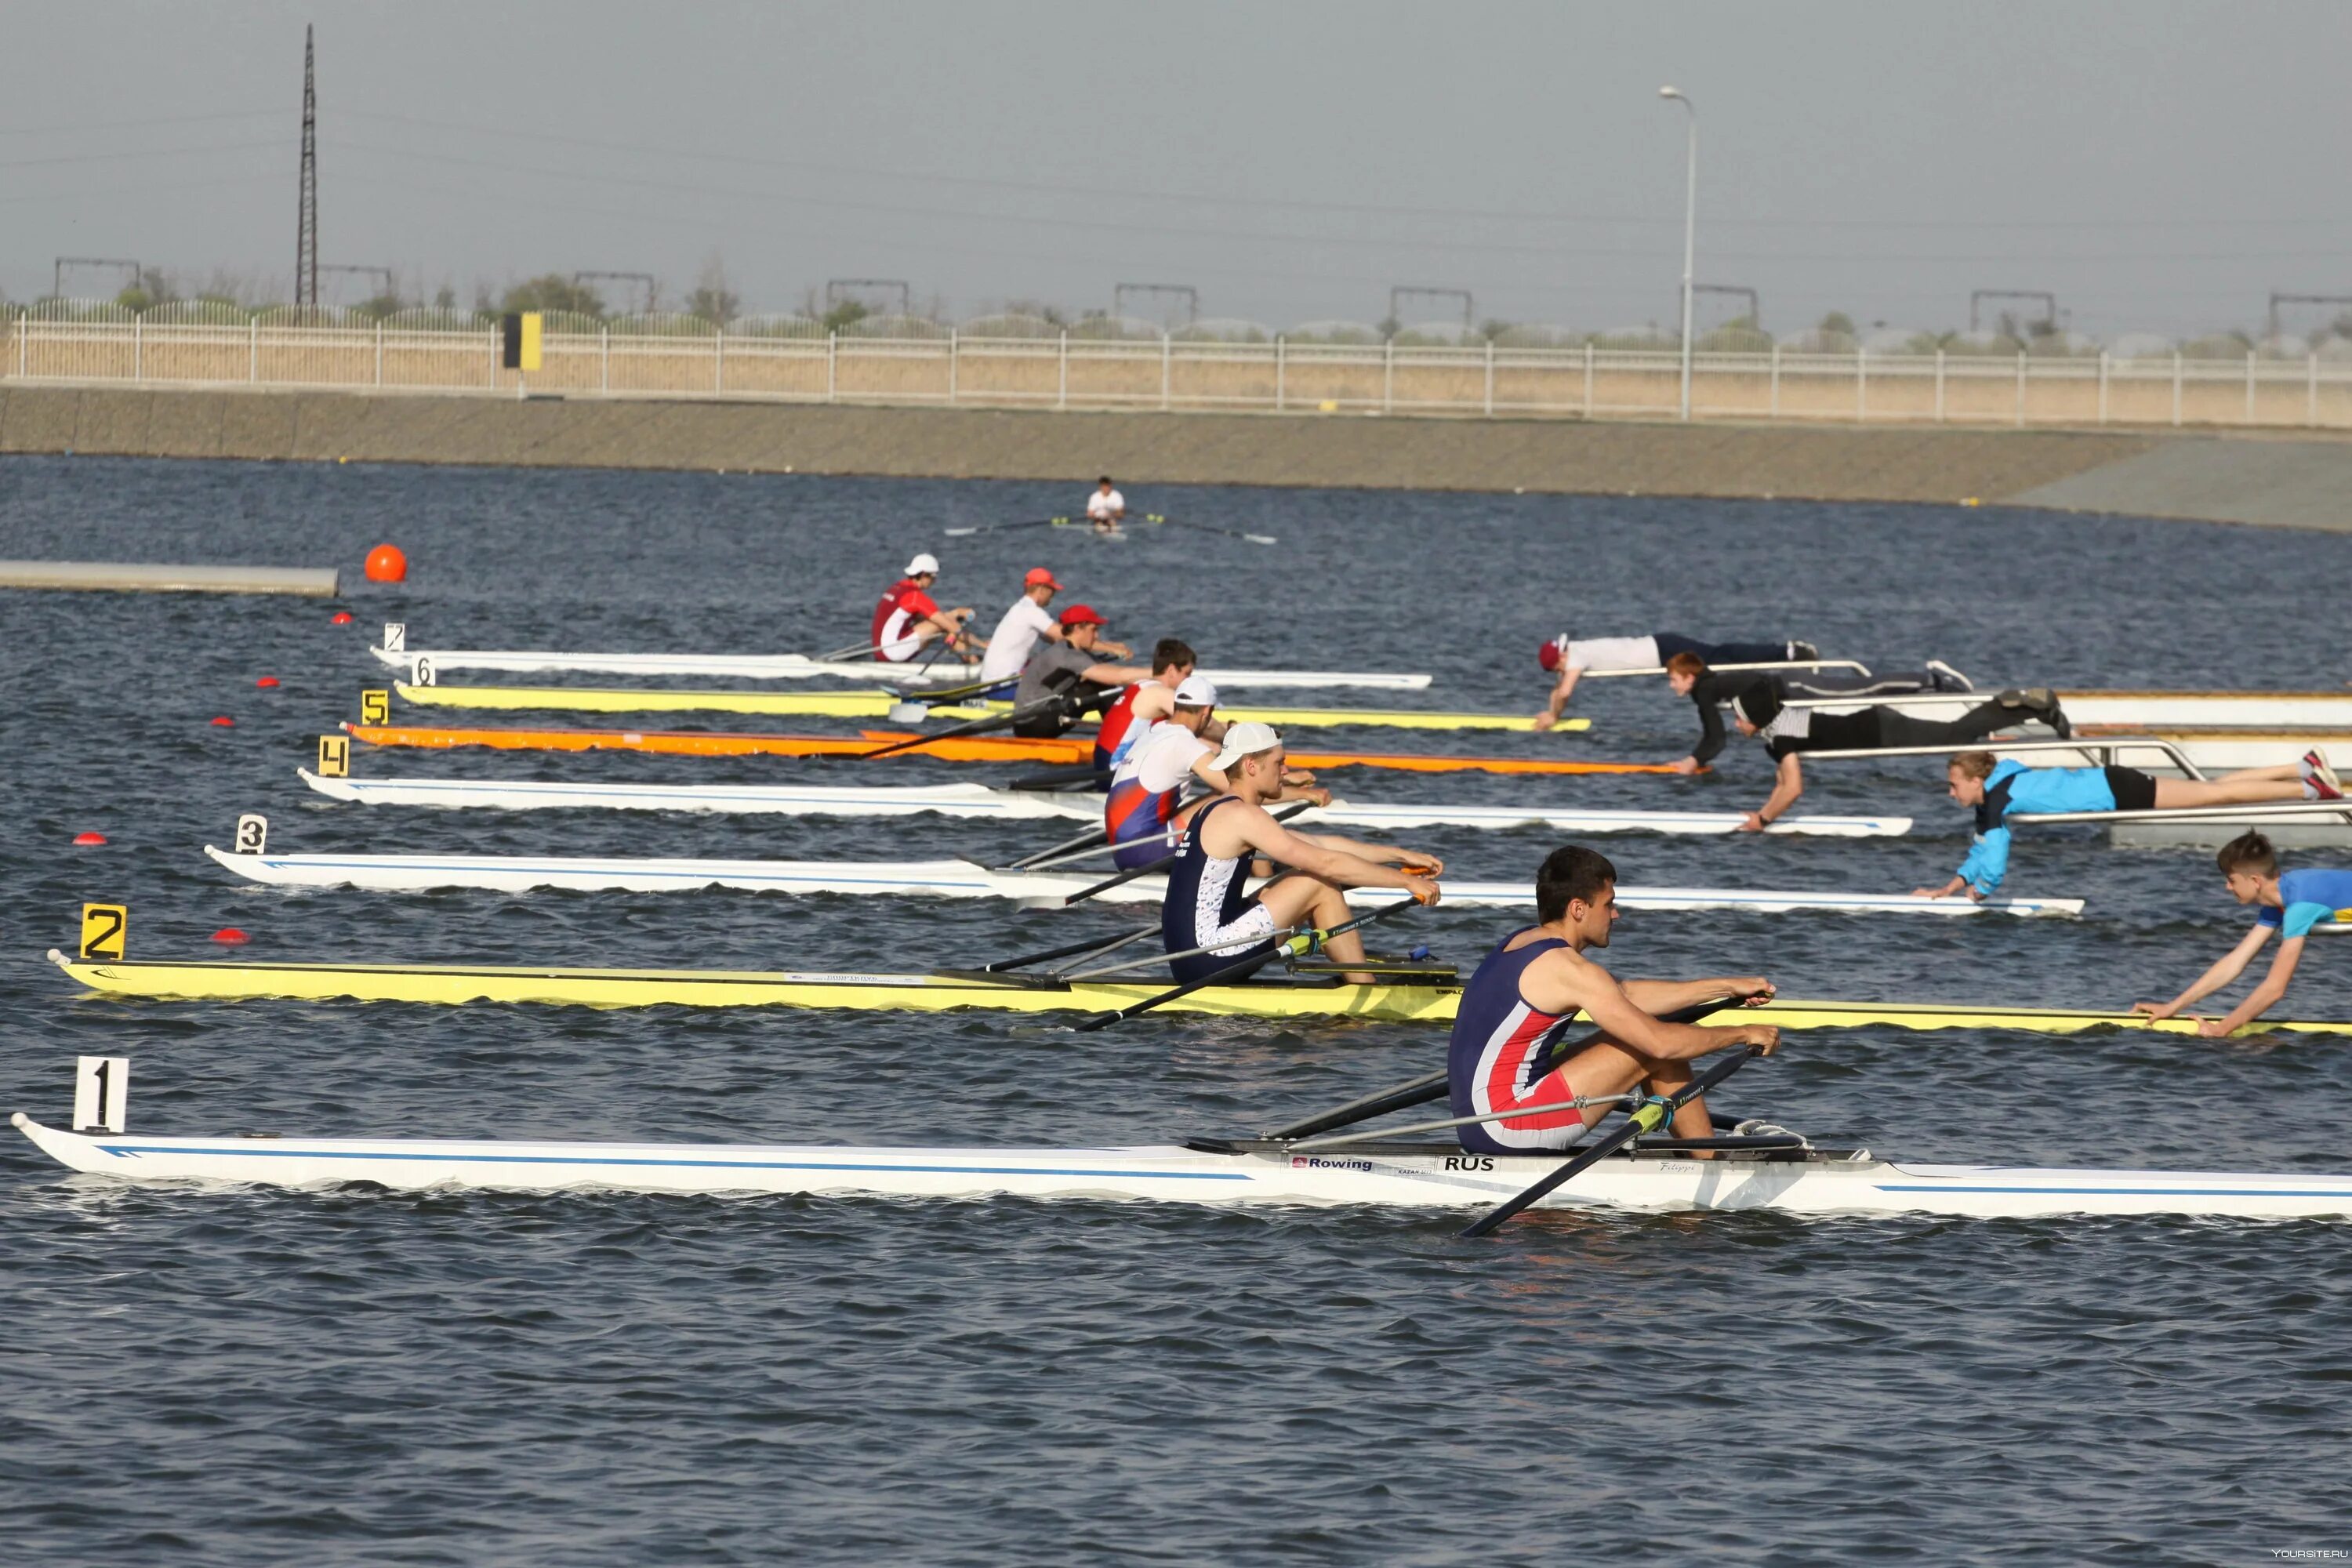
[1788, 732]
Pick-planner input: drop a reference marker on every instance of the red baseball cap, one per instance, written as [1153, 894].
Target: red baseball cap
[1040, 574]
[1550, 653]
[1082, 616]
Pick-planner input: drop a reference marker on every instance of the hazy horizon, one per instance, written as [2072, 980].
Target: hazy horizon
[2160, 167]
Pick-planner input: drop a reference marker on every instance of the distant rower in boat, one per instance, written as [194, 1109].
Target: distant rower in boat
[1016, 634]
[907, 617]
[1144, 704]
[1570, 658]
[1993, 787]
[1106, 509]
[1206, 906]
[1071, 669]
[1146, 812]
[1529, 989]
[2290, 904]
[1758, 710]
[1709, 690]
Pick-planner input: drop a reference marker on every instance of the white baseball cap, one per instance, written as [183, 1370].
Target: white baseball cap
[1246, 739]
[1196, 691]
[922, 563]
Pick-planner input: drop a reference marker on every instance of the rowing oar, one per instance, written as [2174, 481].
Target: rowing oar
[1209, 528]
[1433, 1085]
[1296, 946]
[1075, 949]
[1025, 522]
[1654, 1113]
[1063, 901]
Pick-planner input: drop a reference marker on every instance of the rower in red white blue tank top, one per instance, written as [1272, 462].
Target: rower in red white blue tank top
[1143, 808]
[1506, 1054]
[1144, 704]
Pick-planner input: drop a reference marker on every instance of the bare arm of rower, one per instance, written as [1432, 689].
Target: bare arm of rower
[2225, 969]
[1335, 859]
[1562, 689]
[1558, 982]
[2263, 997]
[1377, 853]
[1113, 674]
[1787, 785]
[1673, 995]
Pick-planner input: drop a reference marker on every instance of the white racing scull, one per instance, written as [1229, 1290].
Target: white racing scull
[969, 879]
[799, 666]
[1374, 1174]
[975, 800]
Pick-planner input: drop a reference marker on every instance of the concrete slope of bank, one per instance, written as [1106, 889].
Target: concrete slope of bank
[2291, 483]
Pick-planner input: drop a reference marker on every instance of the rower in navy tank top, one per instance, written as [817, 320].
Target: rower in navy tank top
[1505, 1056]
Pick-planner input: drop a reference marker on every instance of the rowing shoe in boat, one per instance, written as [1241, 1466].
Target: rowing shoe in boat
[1302, 997]
[800, 666]
[966, 879]
[971, 800]
[886, 704]
[957, 749]
[1419, 1175]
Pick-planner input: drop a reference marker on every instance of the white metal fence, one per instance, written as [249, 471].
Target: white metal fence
[676, 357]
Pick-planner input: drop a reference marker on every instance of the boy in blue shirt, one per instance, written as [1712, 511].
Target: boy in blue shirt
[2290, 904]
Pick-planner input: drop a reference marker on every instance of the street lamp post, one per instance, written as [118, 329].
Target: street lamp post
[1690, 233]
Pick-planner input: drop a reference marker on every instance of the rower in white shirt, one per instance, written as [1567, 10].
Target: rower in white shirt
[1015, 638]
[1106, 507]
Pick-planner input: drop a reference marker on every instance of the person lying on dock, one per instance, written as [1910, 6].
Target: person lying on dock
[1071, 669]
[1993, 787]
[1570, 658]
[2290, 904]
[907, 617]
[1758, 711]
[1532, 986]
[1146, 811]
[1710, 690]
[1208, 914]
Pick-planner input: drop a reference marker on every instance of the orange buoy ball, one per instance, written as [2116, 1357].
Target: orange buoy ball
[385, 564]
[342, 618]
[223, 722]
[89, 838]
[267, 681]
[229, 936]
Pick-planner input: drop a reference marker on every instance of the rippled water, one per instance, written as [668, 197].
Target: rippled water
[342, 1377]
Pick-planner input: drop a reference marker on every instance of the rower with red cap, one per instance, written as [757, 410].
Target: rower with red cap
[1070, 670]
[1016, 634]
[1569, 658]
[907, 617]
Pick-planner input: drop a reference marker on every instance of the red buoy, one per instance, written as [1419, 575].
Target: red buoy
[385, 564]
[267, 680]
[223, 722]
[342, 618]
[89, 837]
[229, 936]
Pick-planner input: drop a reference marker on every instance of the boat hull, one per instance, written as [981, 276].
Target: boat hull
[797, 666]
[965, 879]
[1167, 1173]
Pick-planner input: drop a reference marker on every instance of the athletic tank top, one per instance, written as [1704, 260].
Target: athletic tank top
[1499, 1052]
[1205, 892]
[1111, 740]
[1146, 790]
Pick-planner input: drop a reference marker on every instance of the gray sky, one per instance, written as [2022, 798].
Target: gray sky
[2160, 166]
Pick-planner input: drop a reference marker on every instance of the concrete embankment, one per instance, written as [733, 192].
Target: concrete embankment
[2276, 480]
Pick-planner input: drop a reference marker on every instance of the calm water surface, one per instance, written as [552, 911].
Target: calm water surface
[212, 1376]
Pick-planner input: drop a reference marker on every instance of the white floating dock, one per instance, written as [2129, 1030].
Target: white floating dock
[132, 576]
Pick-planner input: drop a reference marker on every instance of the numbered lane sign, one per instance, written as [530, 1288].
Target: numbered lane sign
[102, 929]
[101, 1093]
[420, 671]
[252, 833]
[395, 636]
[375, 707]
[334, 756]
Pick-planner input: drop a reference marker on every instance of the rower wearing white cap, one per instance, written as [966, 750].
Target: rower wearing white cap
[1146, 812]
[1206, 906]
[907, 617]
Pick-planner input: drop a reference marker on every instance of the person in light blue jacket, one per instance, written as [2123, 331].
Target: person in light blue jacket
[2290, 904]
[1993, 787]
